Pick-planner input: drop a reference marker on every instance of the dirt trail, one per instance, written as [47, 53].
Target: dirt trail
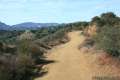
[73, 64]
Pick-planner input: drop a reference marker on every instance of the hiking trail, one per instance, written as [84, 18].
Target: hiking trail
[73, 64]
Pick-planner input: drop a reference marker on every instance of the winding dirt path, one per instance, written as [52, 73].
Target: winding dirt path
[73, 64]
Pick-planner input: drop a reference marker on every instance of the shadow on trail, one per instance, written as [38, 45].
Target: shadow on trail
[43, 71]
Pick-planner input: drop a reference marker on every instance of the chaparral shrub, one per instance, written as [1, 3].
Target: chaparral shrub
[108, 39]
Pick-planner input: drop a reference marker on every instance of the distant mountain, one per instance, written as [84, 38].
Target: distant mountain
[4, 26]
[25, 26]
[31, 25]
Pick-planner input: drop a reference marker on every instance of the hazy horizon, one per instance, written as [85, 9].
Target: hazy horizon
[54, 11]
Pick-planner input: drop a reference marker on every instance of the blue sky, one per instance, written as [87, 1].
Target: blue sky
[60, 11]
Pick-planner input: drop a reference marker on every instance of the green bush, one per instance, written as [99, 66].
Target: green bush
[16, 68]
[97, 20]
[108, 39]
[104, 19]
[23, 64]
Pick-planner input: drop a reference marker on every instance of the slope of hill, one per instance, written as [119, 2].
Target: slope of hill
[4, 26]
[74, 64]
[71, 63]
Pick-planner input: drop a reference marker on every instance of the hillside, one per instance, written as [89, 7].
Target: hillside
[76, 51]
[74, 64]
[4, 26]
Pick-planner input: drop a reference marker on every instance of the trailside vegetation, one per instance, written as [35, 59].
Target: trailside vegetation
[22, 52]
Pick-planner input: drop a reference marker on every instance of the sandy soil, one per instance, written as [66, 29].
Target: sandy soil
[73, 64]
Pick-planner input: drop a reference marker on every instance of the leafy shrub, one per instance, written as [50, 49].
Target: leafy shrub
[24, 42]
[97, 21]
[104, 19]
[1, 47]
[23, 64]
[108, 39]
[16, 68]
[24, 68]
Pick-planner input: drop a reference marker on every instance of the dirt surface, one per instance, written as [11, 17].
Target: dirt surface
[74, 64]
